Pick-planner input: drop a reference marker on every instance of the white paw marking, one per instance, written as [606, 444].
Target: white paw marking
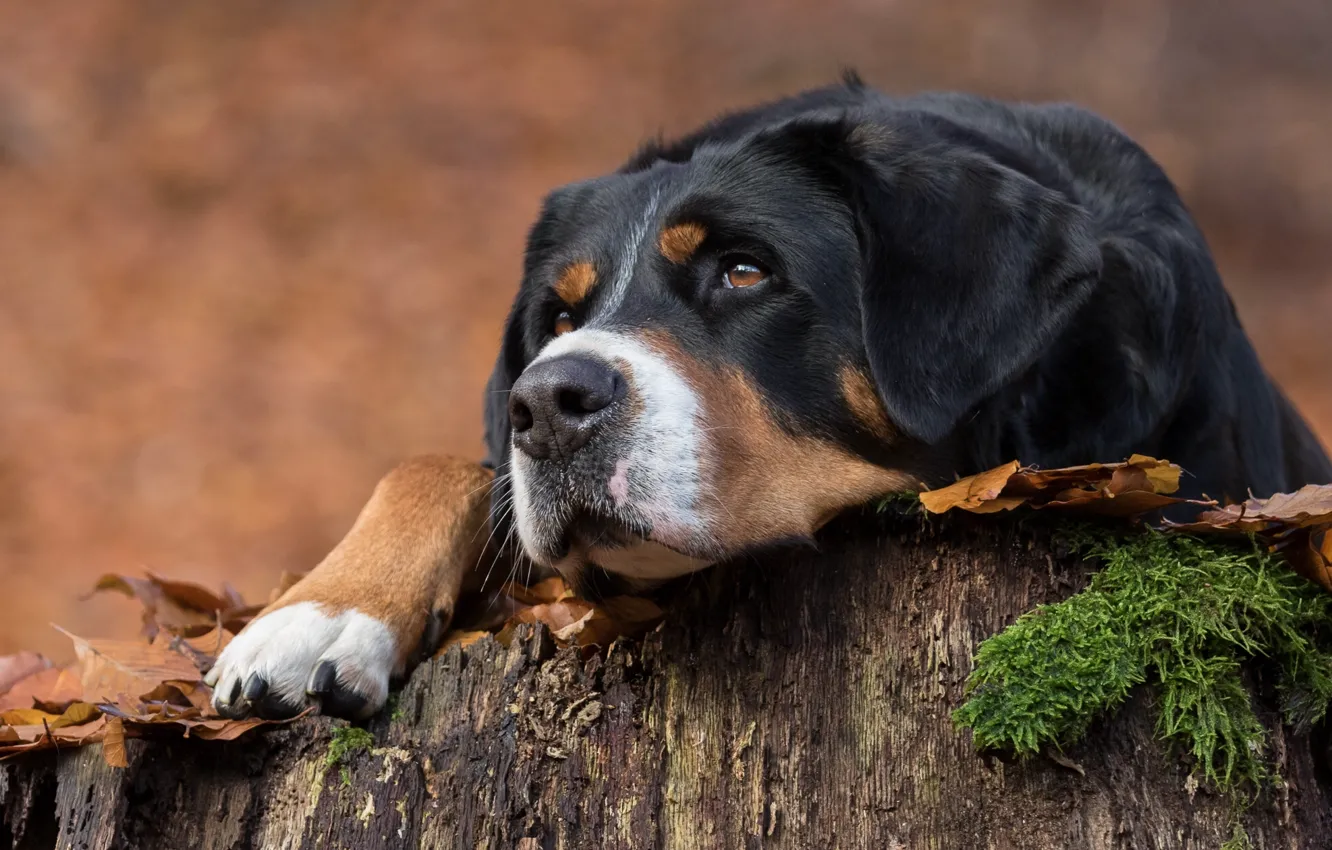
[286, 645]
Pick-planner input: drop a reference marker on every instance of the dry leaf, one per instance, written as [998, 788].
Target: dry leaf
[109, 667]
[196, 694]
[617, 617]
[975, 493]
[570, 632]
[113, 744]
[557, 616]
[77, 714]
[223, 730]
[26, 716]
[1307, 507]
[1296, 524]
[209, 646]
[459, 637]
[1139, 485]
[1310, 553]
[543, 592]
[47, 688]
[16, 668]
[188, 595]
[230, 730]
[15, 740]
[179, 607]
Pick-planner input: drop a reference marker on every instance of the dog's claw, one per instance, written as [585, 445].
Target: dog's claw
[255, 688]
[267, 703]
[334, 698]
[290, 657]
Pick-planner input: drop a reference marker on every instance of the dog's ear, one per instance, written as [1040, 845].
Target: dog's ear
[969, 268]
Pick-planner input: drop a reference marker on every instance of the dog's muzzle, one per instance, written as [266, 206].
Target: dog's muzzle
[558, 405]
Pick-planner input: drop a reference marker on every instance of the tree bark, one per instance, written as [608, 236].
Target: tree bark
[802, 702]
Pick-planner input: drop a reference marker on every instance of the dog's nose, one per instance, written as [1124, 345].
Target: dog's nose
[557, 405]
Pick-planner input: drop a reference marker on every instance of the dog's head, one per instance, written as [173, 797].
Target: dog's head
[723, 345]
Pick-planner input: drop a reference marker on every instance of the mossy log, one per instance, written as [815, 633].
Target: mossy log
[800, 701]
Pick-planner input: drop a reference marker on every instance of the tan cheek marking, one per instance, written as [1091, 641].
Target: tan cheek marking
[420, 534]
[575, 282]
[679, 241]
[864, 402]
[765, 483]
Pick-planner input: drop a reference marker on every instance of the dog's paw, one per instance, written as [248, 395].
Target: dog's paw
[301, 655]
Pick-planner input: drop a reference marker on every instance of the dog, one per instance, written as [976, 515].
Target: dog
[735, 336]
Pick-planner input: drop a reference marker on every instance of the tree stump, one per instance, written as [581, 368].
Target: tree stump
[798, 701]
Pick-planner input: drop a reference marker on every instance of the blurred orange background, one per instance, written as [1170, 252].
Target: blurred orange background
[252, 253]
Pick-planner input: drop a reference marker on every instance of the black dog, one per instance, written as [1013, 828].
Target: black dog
[795, 309]
[1008, 281]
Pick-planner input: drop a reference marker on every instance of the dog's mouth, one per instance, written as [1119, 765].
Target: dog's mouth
[589, 541]
[590, 529]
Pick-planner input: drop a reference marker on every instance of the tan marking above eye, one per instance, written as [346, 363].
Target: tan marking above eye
[740, 275]
[678, 242]
[575, 282]
[563, 324]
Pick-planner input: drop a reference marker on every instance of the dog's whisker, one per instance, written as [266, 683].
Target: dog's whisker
[500, 517]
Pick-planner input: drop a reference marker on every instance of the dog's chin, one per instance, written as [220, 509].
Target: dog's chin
[599, 542]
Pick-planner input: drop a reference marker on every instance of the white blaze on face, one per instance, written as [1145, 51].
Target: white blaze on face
[658, 476]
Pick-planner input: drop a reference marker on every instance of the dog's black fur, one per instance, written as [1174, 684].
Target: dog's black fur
[1022, 281]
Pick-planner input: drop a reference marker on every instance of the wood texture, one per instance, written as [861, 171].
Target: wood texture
[795, 702]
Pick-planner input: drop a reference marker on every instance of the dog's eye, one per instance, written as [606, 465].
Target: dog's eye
[563, 324]
[743, 273]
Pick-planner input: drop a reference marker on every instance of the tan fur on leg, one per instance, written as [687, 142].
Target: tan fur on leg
[359, 617]
[406, 556]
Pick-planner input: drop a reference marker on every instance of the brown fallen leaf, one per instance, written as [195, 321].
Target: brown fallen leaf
[1137, 486]
[975, 493]
[109, 667]
[1295, 524]
[562, 618]
[180, 607]
[210, 645]
[462, 638]
[159, 610]
[26, 716]
[16, 668]
[1310, 553]
[77, 714]
[224, 730]
[50, 687]
[1299, 525]
[15, 740]
[1307, 507]
[577, 622]
[196, 694]
[617, 617]
[113, 743]
[546, 591]
[189, 595]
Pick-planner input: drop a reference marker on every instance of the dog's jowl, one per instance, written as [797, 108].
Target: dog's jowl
[721, 345]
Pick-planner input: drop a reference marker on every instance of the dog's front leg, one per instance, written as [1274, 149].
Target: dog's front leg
[384, 593]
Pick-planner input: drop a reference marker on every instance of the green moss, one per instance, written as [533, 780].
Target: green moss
[905, 501]
[1180, 613]
[347, 740]
[1239, 837]
[393, 706]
